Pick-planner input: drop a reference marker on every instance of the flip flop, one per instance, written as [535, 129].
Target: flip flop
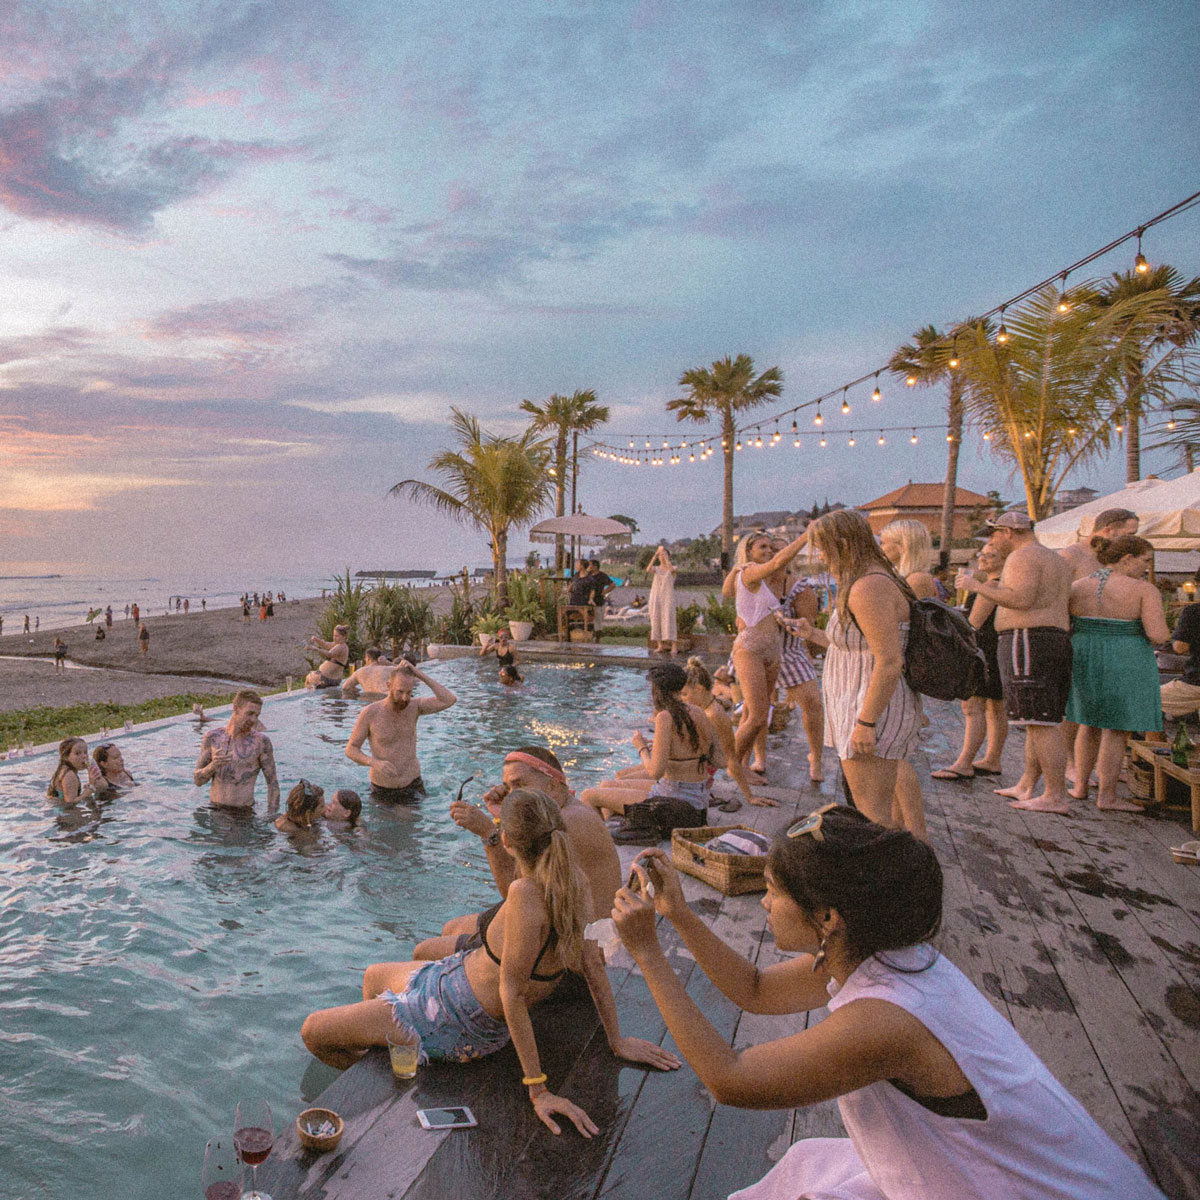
[950, 774]
[1188, 853]
[730, 805]
[984, 770]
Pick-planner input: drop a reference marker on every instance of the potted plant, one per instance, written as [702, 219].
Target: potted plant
[720, 623]
[486, 628]
[685, 625]
[522, 616]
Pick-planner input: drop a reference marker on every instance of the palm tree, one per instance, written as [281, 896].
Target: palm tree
[568, 417]
[1139, 384]
[926, 360]
[729, 386]
[494, 483]
[1050, 397]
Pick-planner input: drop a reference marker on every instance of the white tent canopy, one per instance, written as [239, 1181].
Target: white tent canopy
[1168, 514]
[1068, 527]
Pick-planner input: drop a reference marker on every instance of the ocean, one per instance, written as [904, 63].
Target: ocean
[60, 601]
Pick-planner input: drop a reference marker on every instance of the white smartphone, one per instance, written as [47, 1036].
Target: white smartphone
[446, 1118]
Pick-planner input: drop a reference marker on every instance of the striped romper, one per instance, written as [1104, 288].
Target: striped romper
[849, 664]
[795, 667]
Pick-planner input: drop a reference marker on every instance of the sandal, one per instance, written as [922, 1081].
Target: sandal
[1188, 853]
[730, 805]
[950, 773]
[985, 770]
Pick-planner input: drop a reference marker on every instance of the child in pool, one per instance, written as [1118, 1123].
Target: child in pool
[64, 783]
[305, 804]
[344, 808]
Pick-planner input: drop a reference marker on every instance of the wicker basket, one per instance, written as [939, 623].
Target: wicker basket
[733, 874]
[1139, 779]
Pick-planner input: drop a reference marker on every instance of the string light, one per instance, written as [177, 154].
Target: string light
[776, 436]
[987, 437]
[795, 427]
[876, 395]
[738, 445]
[758, 442]
[913, 439]
[1120, 428]
[845, 402]
[822, 439]
[1171, 423]
[911, 380]
[1028, 433]
[1002, 332]
[1064, 303]
[818, 419]
[851, 441]
[949, 437]
[953, 363]
[882, 439]
[1140, 265]
[797, 443]
[647, 443]
[631, 443]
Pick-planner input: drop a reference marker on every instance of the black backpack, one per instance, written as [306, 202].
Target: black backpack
[941, 657]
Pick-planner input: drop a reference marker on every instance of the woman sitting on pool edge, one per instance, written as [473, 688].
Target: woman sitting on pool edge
[940, 1096]
[473, 1003]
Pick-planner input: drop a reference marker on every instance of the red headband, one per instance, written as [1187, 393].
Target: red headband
[530, 760]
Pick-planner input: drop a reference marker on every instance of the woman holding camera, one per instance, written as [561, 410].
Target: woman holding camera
[940, 1097]
[474, 1002]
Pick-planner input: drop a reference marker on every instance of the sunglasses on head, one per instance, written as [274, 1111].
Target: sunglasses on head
[811, 824]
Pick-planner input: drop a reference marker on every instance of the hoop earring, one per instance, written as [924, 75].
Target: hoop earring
[819, 958]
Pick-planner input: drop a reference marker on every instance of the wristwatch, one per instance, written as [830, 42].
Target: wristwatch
[493, 838]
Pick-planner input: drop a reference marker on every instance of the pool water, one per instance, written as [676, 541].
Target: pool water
[157, 958]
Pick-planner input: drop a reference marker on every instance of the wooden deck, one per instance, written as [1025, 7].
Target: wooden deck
[1080, 930]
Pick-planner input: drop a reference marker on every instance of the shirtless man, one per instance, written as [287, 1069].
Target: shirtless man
[371, 677]
[591, 844]
[232, 756]
[391, 727]
[1112, 523]
[1032, 597]
[337, 658]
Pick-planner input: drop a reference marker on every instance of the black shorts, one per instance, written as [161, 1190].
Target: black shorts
[410, 793]
[1035, 668]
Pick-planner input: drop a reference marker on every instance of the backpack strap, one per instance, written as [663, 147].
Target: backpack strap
[902, 584]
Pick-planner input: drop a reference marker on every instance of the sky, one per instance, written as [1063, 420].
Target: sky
[251, 253]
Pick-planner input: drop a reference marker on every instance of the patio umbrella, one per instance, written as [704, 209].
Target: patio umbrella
[1068, 527]
[587, 531]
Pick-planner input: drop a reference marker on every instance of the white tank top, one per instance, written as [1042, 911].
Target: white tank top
[1038, 1141]
[753, 606]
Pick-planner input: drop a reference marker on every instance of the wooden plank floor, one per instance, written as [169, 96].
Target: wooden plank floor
[1080, 930]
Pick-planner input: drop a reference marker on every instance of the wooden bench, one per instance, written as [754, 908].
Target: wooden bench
[1159, 757]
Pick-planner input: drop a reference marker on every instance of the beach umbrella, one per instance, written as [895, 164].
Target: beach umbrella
[587, 531]
[1068, 527]
[1169, 515]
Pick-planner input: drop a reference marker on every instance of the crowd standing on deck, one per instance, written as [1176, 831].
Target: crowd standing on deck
[938, 1094]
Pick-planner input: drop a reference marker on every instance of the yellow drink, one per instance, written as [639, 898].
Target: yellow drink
[403, 1048]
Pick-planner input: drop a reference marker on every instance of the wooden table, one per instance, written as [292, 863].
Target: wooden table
[587, 614]
[1159, 756]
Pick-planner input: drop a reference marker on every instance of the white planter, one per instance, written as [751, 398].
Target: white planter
[485, 640]
[522, 631]
[434, 649]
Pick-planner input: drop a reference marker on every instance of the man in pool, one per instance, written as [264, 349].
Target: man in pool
[591, 844]
[390, 725]
[232, 756]
[371, 677]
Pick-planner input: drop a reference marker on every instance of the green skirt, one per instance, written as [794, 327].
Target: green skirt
[1114, 676]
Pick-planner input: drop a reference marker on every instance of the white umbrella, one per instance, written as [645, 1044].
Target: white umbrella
[1169, 515]
[587, 531]
[1068, 527]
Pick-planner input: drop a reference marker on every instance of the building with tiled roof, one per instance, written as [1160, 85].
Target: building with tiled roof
[923, 502]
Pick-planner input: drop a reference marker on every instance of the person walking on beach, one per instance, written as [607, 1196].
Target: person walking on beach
[26, 622]
[136, 614]
[108, 617]
[390, 726]
[60, 655]
[232, 756]
[1034, 650]
[144, 638]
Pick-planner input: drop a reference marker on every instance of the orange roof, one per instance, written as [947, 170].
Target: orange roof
[924, 495]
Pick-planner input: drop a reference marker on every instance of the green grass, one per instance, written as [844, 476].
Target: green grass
[46, 724]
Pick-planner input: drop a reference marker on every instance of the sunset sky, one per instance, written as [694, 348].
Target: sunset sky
[252, 252]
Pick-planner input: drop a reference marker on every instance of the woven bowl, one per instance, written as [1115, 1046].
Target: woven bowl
[322, 1144]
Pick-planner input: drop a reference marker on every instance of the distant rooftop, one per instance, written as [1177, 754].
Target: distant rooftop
[924, 495]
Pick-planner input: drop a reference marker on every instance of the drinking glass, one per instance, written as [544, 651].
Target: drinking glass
[403, 1048]
[253, 1135]
[223, 1175]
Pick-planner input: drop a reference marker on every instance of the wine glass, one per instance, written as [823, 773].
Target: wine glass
[223, 1175]
[253, 1135]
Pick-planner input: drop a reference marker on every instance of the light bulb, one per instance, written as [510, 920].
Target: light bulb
[1002, 333]
[758, 442]
[1140, 265]
[882, 440]
[877, 394]
[631, 443]
[987, 437]
[1064, 304]
[822, 440]
[738, 446]
[953, 363]
[913, 439]
[949, 437]
[1171, 423]
[845, 404]
[794, 427]
[1120, 428]
[797, 443]
[851, 441]
[1028, 433]
[911, 381]
[1071, 431]
[818, 419]
[647, 443]
[692, 457]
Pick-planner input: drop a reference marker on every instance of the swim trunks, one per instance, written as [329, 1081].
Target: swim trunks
[440, 1004]
[410, 793]
[325, 682]
[1035, 671]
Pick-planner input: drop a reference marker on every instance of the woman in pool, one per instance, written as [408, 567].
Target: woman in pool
[506, 657]
[684, 758]
[107, 769]
[474, 1002]
[64, 783]
[757, 649]
[941, 1098]
[305, 804]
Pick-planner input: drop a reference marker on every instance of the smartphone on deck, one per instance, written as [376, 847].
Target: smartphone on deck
[459, 1117]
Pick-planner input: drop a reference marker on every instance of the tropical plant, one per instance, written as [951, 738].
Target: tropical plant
[457, 626]
[1049, 397]
[566, 417]
[720, 392]
[1137, 375]
[926, 361]
[491, 623]
[524, 599]
[397, 617]
[720, 615]
[346, 606]
[686, 618]
[495, 483]
[633, 525]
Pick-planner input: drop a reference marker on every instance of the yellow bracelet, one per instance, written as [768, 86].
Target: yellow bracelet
[533, 1080]
[495, 820]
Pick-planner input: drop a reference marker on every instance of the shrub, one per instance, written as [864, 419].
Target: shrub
[720, 616]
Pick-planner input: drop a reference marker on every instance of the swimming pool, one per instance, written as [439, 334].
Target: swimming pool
[156, 962]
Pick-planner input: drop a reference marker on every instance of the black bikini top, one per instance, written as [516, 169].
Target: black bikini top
[485, 923]
[506, 659]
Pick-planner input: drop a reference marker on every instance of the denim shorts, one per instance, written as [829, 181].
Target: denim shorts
[697, 792]
[440, 1004]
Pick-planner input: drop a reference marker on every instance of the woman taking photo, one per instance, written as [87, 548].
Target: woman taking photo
[872, 716]
[984, 714]
[758, 647]
[1117, 619]
[940, 1097]
[684, 757]
[661, 608]
[473, 1003]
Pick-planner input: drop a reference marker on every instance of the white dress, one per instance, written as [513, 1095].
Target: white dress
[1037, 1143]
[662, 605]
[849, 665]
